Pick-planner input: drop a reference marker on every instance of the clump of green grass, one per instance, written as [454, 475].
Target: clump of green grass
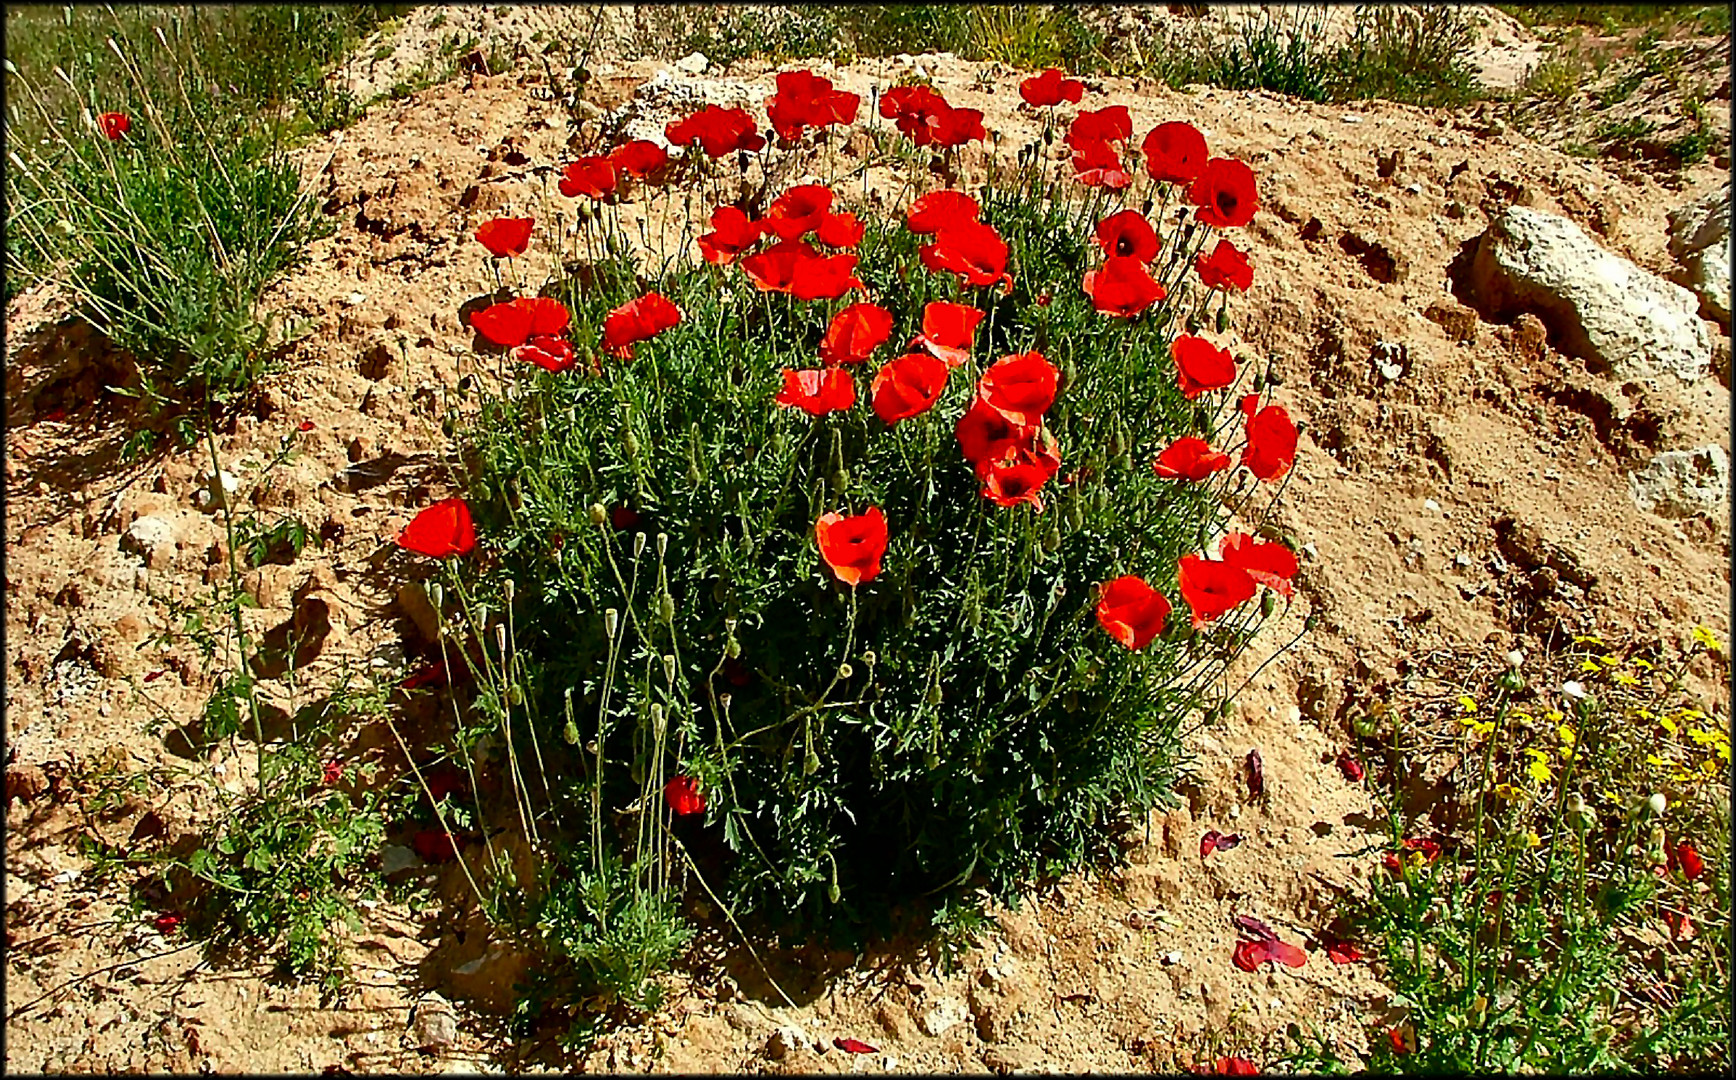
[1567, 909]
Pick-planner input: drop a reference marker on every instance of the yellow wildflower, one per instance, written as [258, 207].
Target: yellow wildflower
[1655, 760]
[1667, 724]
[1533, 840]
[1467, 704]
[1710, 767]
[1588, 639]
[1622, 678]
[1509, 792]
[1589, 665]
[1701, 736]
[1641, 662]
[1704, 637]
[1554, 716]
[1539, 767]
[1609, 661]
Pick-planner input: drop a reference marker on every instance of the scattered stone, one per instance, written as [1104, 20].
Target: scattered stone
[1459, 321]
[376, 362]
[435, 1024]
[693, 63]
[942, 1016]
[1700, 241]
[152, 537]
[1391, 360]
[215, 491]
[396, 857]
[1683, 483]
[785, 1041]
[1600, 306]
[25, 782]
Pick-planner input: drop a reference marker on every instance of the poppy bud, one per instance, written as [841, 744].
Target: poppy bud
[693, 476]
[933, 697]
[611, 620]
[465, 383]
[732, 649]
[932, 760]
[659, 724]
[1193, 324]
[669, 668]
[599, 516]
[447, 428]
[1223, 319]
[840, 481]
[437, 593]
[1268, 604]
[1069, 372]
[1115, 444]
[811, 763]
[1052, 542]
[630, 443]
[570, 733]
[1076, 515]
[638, 544]
[832, 891]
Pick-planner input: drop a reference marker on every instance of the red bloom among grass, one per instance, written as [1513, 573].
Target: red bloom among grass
[505, 238]
[1131, 611]
[1690, 862]
[956, 126]
[1018, 478]
[1020, 387]
[852, 546]
[818, 392]
[826, 278]
[805, 100]
[973, 250]
[798, 211]
[1225, 268]
[513, 323]
[718, 131]
[1123, 287]
[930, 213]
[774, 269]
[1271, 448]
[1225, 193]
[637, 320]
[1234, 1065]
[114, 125]
[547, 351]
[1216, 841]
[841, 230]
[593, 177]
[855, 333]
[1175, 152]
[1271, 565]
[683, 796]
[1201, 366]
[1111, 124]
[948, 329]
[639, 158]
[1098, 164]
[923, 115]
[1212, 588]
[1051, 88]
[908, 386]
[731, 234]
[1127, 234]
[1430, 851]
[985, 435]
[1189, 458]
[440, 530]
[1343, 952]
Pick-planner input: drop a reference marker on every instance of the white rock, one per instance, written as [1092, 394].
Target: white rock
[1683, 483]
[945, 1014]
[1430, 504]
[396, 857]
[215, 491]
[435, 1025]
[693, 63]
[1598, 305]
[785, 1041]
[1700, 241]
[152, 537]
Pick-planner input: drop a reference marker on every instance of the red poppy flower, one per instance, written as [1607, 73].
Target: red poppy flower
[986, 435]
[852, 546]
[1225, 268]
[956, 126]
[505, 237]
[683, 795]
[1271, 565]
[1403, 1041]
[432, 675]
[169, 921]
[1692, 865]
[826, 278]
[718, 131]
[1189, 458]
[1098, 164]
[798, 211]
[1249, 955]
[937, 209]
[855, 333]
[1050, 89]
[637, 320]
[623, 517]
[1122, 288]
[639, 158]
[1235, 1066]
[435, 845]
[731, 234]
[1175, 152]
[971, 249]
[948, 330]
[908, 386]
[440, 530]
[1216, 841]
[1343, 952]
[917, 111]
[1127, 234]
[1212, 588]
[547, 351]
[1350, 767]
[332, 773]
[774, 269]
[305, 425]
[1020, 387]
[114, 125]
[854, 1046]
[1225, 194]
[804, 99]
[840, 230]
[817, 392]
[1201, 366]
[1271, 448]
[514, 322]
[1017, 478]
[1131, 612]
[1428, 847]
[593, 177]
[1104, 125]
[1681, 927]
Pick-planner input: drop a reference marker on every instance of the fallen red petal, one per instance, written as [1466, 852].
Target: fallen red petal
[854, 1046]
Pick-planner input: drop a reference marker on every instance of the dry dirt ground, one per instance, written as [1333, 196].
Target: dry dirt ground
[1420, 501]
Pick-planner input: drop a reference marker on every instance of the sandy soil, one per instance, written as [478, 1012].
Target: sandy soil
[1419, 501]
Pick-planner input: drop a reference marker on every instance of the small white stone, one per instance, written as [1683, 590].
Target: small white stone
[1172, 958]
[1574, 689]
[1657, 804]
[1430, 504]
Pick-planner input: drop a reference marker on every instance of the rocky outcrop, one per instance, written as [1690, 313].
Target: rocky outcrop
[1626, 321]
[1683, 483]
[1700, 241]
